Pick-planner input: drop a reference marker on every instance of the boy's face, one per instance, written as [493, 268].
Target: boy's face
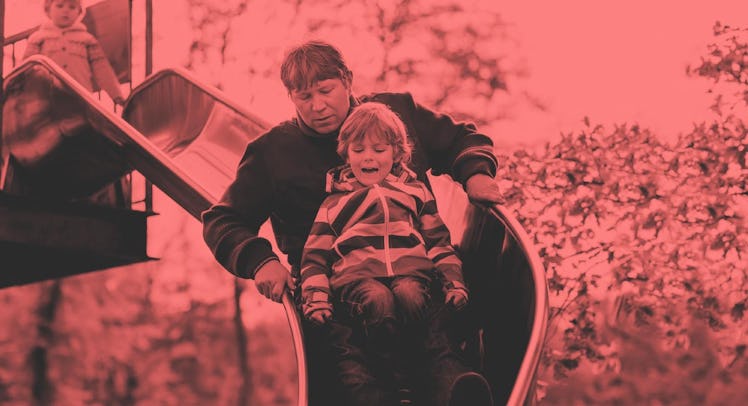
[371, 160]
[324, 105]
[63, 13]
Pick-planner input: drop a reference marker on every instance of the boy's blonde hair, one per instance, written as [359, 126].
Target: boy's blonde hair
[48, 4]
[375, 120]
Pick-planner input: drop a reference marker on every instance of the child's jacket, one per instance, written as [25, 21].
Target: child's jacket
[381, 230]
[78, 53]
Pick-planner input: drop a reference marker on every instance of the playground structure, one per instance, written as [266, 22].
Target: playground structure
[187, 138]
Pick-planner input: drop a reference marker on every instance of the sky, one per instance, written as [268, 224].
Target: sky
[614, 62]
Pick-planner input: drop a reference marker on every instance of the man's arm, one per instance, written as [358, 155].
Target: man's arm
[456, 149]
[437, 240]
[231, 227]
[453, 148]
[440, 250]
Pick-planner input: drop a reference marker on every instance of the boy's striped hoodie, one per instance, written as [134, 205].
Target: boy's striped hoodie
[382, 230]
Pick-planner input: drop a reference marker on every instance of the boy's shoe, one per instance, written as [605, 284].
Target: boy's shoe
[470, 389]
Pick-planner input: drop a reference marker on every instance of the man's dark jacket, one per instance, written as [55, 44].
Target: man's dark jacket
[282, 177]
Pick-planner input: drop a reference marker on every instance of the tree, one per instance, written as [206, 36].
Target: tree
[644, 244]
[455, 56]
[727, 62]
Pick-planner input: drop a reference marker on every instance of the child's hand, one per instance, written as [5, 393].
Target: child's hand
[457, 297]
[317, 307]
[320, 316]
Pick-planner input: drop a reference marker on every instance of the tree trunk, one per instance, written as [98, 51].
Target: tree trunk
[245, 390]
[42, 389]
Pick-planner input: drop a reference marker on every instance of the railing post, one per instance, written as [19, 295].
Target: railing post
[148, 37]
[2, 75]
[148, 71]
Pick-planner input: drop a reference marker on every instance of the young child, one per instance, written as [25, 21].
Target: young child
[377, 241]
[65, 40]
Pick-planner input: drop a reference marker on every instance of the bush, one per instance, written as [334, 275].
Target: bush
[644, 247]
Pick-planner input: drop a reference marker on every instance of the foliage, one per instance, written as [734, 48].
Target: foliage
[727, 62]
[155, 333]
[644, 245]
[212, 23]
[410, 44]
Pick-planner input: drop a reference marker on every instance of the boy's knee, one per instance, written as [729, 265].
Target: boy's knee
[379, 306]
[412, 298]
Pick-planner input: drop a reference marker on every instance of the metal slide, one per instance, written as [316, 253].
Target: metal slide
[508, 311]
[187, 139]
[66, 144]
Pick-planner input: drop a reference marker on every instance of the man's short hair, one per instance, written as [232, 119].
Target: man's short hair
[312, 62]
[374, 119]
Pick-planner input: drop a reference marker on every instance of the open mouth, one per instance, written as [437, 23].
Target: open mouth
[369, 170]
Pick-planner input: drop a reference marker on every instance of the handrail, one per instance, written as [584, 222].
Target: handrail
[208, 89]
[19, 36]
[531, 359]
[294, 322]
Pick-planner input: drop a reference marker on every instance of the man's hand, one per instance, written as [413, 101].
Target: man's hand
[482, 188]
[272, 279]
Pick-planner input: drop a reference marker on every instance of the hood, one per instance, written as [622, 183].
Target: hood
[341, 179]
[49, 26]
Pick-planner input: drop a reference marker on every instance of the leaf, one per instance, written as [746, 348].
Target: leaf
[569, 363]
[737, 311]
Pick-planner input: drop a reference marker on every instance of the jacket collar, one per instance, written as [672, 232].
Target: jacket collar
[306, 130]
[341, 178]
[50, 27]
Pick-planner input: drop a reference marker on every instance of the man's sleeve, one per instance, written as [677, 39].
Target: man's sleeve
[438, 242]
[453, 148]
[231, 227]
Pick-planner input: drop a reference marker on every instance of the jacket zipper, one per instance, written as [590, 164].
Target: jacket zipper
[386, 209]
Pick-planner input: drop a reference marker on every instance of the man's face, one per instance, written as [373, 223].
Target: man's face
[63, 13]
[324, 105]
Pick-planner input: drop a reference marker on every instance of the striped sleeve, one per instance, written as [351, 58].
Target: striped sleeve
[438, 242]
[318, 255]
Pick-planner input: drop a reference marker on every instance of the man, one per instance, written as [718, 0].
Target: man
[282, 177]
